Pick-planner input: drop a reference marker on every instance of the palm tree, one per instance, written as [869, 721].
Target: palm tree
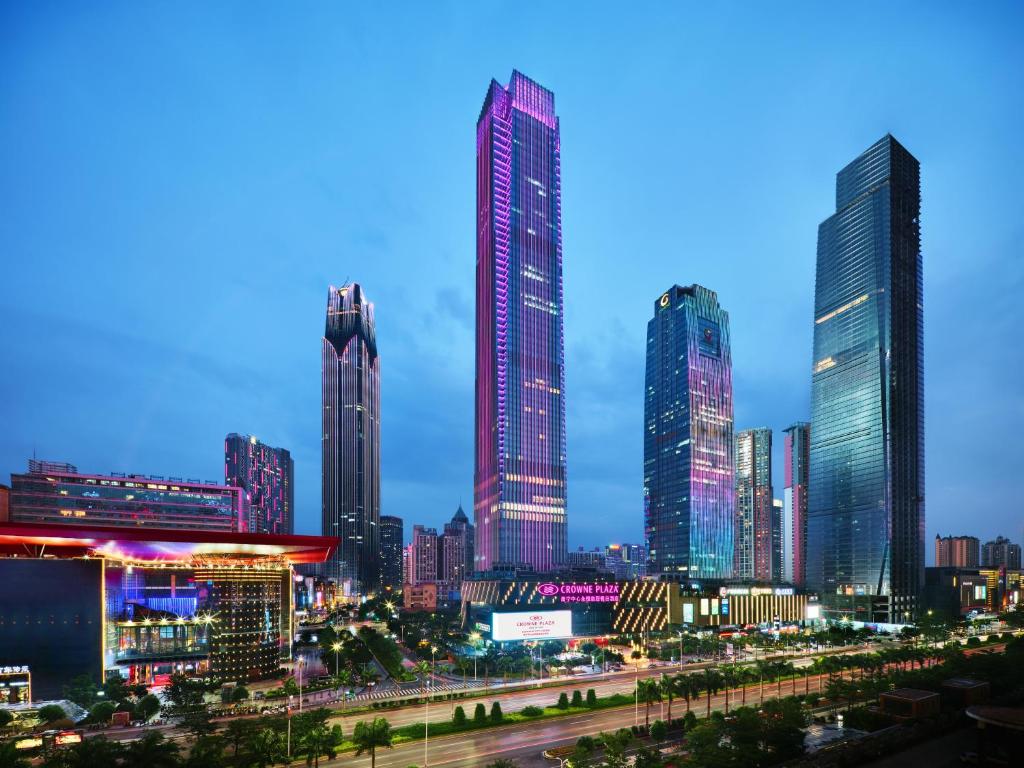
[422, 670]
[266, 747]
[669, 690]
[712, 683]
[151, 751]
[684, 685]
[237, 733]
[648, 691]
[764, 669]
[368, 736]
[745, 675]
[731, 677]
[318, 742]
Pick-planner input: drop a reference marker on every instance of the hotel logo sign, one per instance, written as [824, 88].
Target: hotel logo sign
[580, 592]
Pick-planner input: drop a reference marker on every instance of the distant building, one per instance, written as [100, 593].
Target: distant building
[392, 533]
[351, 439]
[756, 532]
[57, 493]
[423, 555]
[455, 550]
[594, 559]
[1001, 552]
[956, 551]
[268, 475]
[5, 503]
[407, 564]
[688, 437]
[777, 562]
[796, 463]
[420, 597]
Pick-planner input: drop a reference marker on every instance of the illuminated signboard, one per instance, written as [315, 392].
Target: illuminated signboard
[30, 742]
[687, 613]
[68, 737]
[531, 625]
[575, 592]
[813, 612]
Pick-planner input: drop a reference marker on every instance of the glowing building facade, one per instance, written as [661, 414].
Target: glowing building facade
[688, 437]
[520, 476]
[351, 440]
[268, 475]
[796, 465]
[866, 509]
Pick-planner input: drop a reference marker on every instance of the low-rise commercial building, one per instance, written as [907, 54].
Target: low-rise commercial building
[541, 607]
[143, 603]
[958, 592]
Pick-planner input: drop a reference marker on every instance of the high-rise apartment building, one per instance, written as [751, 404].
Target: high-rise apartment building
[755, 534]
[519, 501]
[351, 440]
[392, 532]
[796, 465]
[51, 492]
[865, 526]
[688, 437]
[1001, 552]
[455, 550]
[423, 555]
[958, 551]
[268, 475]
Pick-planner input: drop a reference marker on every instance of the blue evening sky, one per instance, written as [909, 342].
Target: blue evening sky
[180, 182]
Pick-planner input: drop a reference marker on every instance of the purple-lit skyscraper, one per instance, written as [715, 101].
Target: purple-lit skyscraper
[268, 475]
[519, 493]
[351, 440]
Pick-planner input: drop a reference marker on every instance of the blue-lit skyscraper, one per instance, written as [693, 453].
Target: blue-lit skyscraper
[688, 437]
[865, 528]
[519, 500]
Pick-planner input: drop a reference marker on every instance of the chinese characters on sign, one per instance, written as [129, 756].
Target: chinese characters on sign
[574, 592]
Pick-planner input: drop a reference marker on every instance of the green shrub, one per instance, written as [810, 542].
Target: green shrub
[563, 701]
[51, 712]
[658, 729]
[5, 717]
[531, 711]
[974, 641]
[459, 716]
[591, 697]
[496, 715]
[577, 699]
[689, 721]
[100, 713]
[480, 713]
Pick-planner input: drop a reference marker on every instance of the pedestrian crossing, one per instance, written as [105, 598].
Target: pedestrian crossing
[434, 689]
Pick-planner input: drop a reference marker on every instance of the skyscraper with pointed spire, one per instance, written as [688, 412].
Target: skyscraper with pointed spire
[519, 500]
[351, 440]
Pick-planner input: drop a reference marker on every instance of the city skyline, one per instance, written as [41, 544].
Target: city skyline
[192, 392]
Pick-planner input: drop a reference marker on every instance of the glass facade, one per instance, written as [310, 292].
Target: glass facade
[351, 440]
[132, 500]
[796, 459]
[268, 475]
[391, 534]
[519, 487]
[688, 437]
[865, 527]
[757, 526]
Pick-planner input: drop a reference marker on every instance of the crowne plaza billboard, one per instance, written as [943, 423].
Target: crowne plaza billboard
[531, 625]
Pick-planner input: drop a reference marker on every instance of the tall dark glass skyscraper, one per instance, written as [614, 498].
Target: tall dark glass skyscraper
[351, 440]
[391, 544]
[688, 437]
[268, 474]
[865, 528]
[796, 468]
[519, 503]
